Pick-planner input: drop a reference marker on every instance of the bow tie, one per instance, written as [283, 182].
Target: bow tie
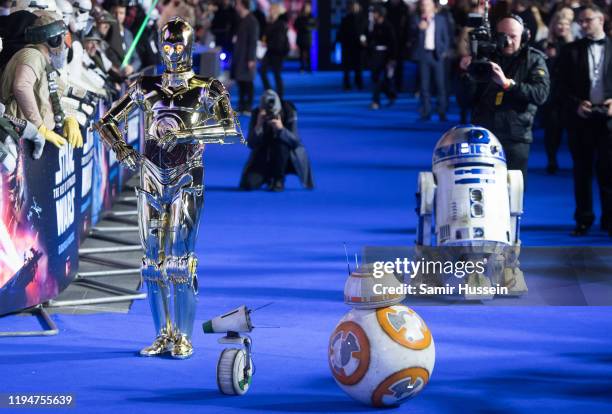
[601, 41]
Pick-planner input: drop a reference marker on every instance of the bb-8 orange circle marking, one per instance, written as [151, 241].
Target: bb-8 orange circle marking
[384, 388]
[399, 336]
[362, 355]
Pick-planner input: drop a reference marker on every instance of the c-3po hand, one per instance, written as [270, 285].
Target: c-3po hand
[128, 156]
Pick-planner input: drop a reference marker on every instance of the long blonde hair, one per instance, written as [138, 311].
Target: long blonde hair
[565, 14]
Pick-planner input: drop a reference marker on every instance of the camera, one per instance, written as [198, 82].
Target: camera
[483, 45]
[271, 109]
[269, 104]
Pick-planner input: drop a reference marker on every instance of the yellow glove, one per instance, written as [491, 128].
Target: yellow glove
[72, 132]
[51, 136]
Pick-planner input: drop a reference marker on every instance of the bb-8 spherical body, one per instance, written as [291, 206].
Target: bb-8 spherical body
[382, 357]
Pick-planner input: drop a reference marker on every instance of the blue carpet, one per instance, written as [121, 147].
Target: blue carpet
[287, 248]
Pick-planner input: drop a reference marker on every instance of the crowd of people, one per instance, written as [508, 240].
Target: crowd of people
[546, 60]
[549, 61]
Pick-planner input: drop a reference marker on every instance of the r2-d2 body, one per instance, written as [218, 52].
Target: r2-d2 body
[470, 199]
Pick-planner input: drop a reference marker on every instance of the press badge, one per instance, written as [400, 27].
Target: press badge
[498, 98]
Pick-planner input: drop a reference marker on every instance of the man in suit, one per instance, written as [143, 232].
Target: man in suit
[433, 40]
[586, 82]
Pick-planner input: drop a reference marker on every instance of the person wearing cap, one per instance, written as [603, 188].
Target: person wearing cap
[30, 85]
[106, 25]
[276, 149]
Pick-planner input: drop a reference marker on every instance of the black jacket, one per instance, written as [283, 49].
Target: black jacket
[509, 114]
[352, 27]
[277, 41]
[304, 25]
[245, 49]
[382, 35]
[299, 161]
[573, 76]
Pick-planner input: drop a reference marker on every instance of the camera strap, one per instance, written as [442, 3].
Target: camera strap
[58, 112]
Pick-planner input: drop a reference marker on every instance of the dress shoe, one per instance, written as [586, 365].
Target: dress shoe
[276, 186]
[580, 230]
[443, 118]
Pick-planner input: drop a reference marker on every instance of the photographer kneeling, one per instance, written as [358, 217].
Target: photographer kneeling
[518, 83]
[276, 146]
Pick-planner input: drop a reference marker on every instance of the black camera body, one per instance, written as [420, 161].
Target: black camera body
[269, 105]
[483, 45]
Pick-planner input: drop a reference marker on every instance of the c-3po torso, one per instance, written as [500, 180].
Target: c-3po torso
[182, 112]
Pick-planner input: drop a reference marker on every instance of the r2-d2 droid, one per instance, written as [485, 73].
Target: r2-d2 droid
[470, 201]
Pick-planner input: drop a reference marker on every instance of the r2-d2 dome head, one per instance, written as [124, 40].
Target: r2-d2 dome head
[176, 43]
[468, 143]
[472, 198]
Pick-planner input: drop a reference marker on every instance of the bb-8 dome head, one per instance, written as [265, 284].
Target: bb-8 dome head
[360, 289]
[382, 357]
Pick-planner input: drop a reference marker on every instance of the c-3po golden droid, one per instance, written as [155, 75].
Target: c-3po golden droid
[182, 113]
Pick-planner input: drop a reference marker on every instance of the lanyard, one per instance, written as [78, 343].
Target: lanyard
[595, 66]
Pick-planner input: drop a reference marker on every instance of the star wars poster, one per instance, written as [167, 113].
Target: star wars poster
[39, 226]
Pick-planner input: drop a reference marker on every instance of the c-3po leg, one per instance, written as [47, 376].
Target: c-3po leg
[154, 236]
[181, 267]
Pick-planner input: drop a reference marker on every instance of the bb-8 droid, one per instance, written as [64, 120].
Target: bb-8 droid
[381, 353]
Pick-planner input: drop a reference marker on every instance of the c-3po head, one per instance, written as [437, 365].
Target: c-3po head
[176, 43]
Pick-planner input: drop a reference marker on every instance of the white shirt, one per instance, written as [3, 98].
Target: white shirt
[430, 35]
[596, 72]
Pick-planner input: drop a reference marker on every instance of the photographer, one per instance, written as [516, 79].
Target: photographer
[585, 79]
[517, 81]
[276, 147]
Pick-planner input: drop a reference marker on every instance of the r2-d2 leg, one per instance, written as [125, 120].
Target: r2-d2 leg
[514, 279]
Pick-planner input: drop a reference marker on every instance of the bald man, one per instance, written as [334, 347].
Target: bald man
[519, 83]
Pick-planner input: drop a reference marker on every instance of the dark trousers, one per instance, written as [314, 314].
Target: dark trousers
[380, 78]
[305, 57]
[590, 144]
[399, 72]
[270, 164]
[245, 95]
[430, 66]
[275, 64]
[352, 62]
[553, 132]
[517, 155]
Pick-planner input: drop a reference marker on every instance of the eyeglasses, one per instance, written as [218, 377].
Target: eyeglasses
[587, 20]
